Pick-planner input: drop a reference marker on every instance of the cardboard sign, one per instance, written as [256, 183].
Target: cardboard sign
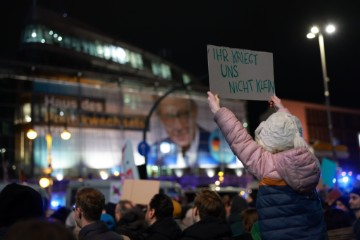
[140, 191]
[240, 74]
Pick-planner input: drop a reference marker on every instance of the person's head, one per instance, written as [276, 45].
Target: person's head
[60, 214]
[178, 116]
[249, 217]
[121, 208]
[355, 201]
[39, 230]
[238, 204]
[227, 203]
[19, 202]
[208, 203]
[160, 207]
[89, 204]
[342, 203]
[280, 132]
[251, 198]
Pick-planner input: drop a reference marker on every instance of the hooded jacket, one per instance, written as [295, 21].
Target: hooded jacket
[298, 167]
[287, 201]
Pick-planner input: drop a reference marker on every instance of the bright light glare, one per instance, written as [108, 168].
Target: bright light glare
[59, 176]
[65, 135]
[210, 172]
[330, 28]
[31, 134]
[55, 204]
[238, 172]
[310, 35]
[104, 175]
[179, 172]
[44, 182]
[27, 118]
[345, 179]
[314, 30]
[165, 147]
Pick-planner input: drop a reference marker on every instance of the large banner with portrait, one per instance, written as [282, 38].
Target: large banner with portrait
[181, 135]
[184, 135]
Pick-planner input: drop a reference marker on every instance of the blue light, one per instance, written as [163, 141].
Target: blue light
[58, 199]
[54, 204]
[345, 179]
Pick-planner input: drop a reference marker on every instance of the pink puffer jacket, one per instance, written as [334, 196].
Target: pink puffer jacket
[298, 167]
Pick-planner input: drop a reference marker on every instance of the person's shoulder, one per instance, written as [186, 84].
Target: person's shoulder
[300, 154]
[112, 235]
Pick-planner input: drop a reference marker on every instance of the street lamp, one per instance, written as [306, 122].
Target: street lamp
[315, 31]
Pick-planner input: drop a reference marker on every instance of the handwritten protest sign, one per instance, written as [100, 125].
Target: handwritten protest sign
[240, 74]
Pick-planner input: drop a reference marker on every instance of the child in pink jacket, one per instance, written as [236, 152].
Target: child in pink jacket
[287, 201]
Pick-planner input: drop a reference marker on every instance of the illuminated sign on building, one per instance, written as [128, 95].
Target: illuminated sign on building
[84, 112]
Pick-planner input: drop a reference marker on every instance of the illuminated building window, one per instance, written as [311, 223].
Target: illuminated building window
[37, 33]
[186, 79]
[161, 70]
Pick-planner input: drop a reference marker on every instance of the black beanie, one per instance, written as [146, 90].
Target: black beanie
[356, 190]
[19, 202]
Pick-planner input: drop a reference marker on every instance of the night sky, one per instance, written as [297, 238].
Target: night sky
[180, 31]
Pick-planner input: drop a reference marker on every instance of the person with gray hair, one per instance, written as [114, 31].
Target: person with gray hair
[287, 201]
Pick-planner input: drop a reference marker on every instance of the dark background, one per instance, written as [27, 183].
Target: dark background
[180, 30]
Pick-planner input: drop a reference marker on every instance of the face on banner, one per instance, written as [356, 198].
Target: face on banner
[188, 139]
[178, 116]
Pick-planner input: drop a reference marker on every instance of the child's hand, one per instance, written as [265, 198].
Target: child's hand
[275, 102]
[214, 102]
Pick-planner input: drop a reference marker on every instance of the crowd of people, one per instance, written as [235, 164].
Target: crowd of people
[209, 216]
[287, 205]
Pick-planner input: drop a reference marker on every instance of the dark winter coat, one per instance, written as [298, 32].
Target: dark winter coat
[286, 214]
[208, 229]
[164, 229]
[98, 231]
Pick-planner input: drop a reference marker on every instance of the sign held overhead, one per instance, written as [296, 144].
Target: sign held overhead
[240, 74]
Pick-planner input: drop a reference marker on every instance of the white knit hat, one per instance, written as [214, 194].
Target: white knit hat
[281, 131]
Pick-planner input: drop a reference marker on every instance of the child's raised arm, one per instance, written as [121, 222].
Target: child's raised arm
[214, 102]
